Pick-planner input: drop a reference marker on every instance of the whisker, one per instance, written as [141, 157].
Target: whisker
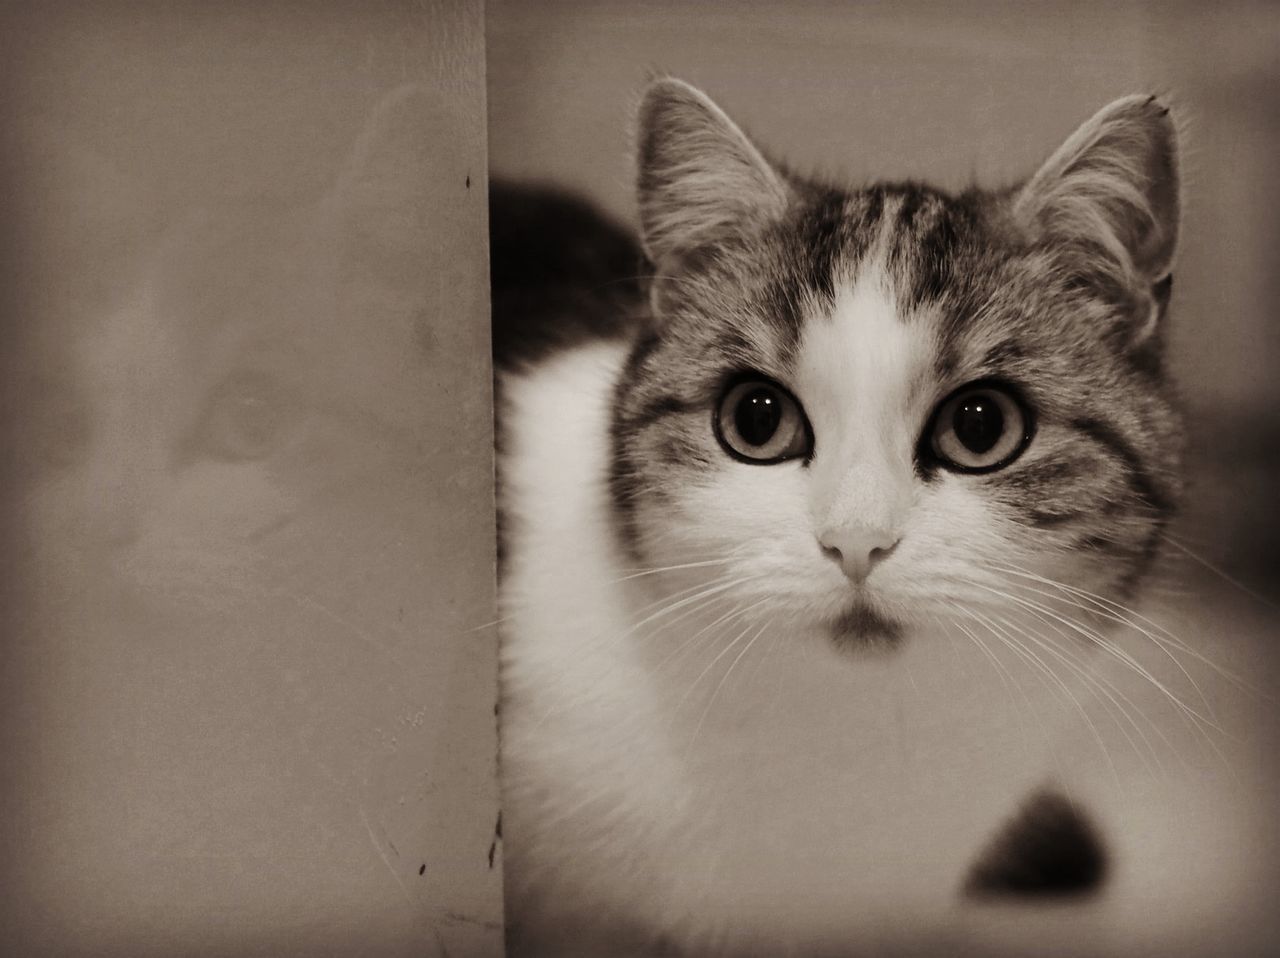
[1161, 645]
[1119, 613]
[641, 573]
[691, 604]
[1102, 690]
[691, 641]
[723, 652]
[1216, 570]
[1006, 677]
[727, 672]
[1194, 719]
[1096, 639]
[1046, 673]
[722, 585]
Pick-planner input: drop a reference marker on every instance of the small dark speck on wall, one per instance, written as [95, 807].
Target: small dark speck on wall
[423, 869]
[468, 181]
[497, 836]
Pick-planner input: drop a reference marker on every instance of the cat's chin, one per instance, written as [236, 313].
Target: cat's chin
[862, 628]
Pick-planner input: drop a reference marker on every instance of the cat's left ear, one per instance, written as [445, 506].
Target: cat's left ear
[1113, 185]
[699, 176]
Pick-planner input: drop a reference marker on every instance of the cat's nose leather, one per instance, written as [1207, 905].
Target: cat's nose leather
[858, 548]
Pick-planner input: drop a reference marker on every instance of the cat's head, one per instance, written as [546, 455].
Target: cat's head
[870, 407]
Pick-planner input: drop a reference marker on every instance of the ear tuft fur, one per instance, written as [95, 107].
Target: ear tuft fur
[1113, 183]
[698, 173]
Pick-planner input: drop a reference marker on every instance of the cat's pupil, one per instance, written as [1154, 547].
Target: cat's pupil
[978, 423]
[757, 417]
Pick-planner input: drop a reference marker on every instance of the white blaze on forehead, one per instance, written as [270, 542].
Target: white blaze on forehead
[858, 375]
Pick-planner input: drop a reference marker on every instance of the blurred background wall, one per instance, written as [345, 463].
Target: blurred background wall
[247, 681]
[953, 93]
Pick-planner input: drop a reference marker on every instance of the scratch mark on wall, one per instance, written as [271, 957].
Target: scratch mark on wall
[457, 916]
[377, 845]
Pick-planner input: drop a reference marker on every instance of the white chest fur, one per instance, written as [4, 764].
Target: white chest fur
[722, 784]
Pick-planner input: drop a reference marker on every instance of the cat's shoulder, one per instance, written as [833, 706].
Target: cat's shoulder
[557, 410]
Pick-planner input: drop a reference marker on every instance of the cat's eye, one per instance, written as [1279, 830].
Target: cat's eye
[980, 427]
[758, 421]
[244, 419]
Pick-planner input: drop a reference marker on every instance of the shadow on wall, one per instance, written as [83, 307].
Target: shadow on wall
[242, 535]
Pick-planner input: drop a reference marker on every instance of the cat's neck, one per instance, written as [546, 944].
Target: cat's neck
[656, 736]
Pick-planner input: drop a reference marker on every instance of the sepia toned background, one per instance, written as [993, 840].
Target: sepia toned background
[247, 676]
[248, 667]
[956, 93]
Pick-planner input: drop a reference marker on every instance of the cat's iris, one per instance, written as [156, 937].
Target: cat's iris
[758, 421]
[979, 428]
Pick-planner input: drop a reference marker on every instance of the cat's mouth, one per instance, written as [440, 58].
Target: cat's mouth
[862, 626]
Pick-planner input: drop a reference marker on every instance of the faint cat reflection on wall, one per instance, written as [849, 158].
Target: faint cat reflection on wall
[264, 369]
[235, 475]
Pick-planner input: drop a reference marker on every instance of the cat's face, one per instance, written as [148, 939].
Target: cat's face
[868, 410]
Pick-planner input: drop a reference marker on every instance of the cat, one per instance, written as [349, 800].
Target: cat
[750, 503]
[237, 465]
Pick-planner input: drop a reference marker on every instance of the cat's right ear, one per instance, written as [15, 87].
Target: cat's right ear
[1114, 185]
[699, 174]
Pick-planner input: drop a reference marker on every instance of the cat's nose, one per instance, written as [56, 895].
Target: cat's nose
[857, 548]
